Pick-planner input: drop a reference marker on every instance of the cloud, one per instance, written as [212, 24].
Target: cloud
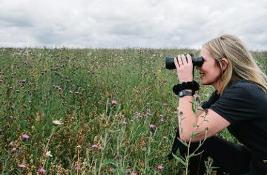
[130, 23]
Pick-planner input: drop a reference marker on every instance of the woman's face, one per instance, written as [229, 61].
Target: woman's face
[210, 71]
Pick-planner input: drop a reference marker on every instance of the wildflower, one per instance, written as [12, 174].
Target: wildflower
[13, 150]
[111, 170]
[22, 166]
[12, 117]
[97, 146]
[134, 173]
[57, 122]
[113, 102]
[152, 128]
[78, 166]
[25, 137]
[41, 171]
[137, 115]
[160, 167]
[48, 154]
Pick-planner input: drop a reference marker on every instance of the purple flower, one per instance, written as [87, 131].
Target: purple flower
[160, 167]
[114, 102]
[97, 146]
[41, 171]
[25, 137]
[152, 128]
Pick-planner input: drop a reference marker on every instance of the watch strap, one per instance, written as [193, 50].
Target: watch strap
[183, 93]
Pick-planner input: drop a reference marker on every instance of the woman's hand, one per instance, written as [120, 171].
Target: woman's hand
[184, 67]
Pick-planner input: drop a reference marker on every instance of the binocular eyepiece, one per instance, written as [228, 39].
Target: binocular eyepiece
[169, 62]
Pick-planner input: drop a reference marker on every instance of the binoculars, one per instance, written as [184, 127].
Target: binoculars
[169, 62]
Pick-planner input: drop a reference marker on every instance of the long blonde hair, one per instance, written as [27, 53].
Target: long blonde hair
[241, 63]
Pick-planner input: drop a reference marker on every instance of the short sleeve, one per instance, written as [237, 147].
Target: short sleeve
[213, 98]
[240, 103]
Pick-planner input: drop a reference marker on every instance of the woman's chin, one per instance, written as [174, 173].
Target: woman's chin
[203, 82]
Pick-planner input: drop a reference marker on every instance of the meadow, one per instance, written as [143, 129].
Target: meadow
[90, 111]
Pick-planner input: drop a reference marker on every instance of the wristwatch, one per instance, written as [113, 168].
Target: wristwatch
[185, 92]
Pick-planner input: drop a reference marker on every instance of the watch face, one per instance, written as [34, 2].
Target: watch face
[181, 94]
[184, 93]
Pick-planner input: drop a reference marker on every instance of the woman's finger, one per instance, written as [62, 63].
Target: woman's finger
[183, 59]
[180, 60]
[176, 62]
[189, 58]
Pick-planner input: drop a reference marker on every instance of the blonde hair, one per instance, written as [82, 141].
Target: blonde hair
[241, 63]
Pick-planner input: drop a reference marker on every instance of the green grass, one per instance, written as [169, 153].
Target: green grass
[38, 86]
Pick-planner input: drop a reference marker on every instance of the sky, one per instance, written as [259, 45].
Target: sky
[130, 23]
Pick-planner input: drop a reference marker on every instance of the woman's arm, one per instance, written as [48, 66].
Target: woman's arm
[191, 126]
[196, 128]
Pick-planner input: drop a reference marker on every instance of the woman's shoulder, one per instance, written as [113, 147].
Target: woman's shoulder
[246, 86]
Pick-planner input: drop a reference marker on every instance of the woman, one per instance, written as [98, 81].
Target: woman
[239, 103]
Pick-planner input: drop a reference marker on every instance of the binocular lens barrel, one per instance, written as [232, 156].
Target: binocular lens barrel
[169, 62]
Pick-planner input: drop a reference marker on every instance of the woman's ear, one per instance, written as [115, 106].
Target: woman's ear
[224, 62]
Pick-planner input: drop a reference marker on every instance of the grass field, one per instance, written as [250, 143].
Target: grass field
[89, 111]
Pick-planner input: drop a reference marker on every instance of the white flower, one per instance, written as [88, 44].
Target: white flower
[22, 166]
[57, 122]
[48, 154]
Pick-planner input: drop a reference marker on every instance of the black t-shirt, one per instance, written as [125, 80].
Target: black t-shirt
[244, 105]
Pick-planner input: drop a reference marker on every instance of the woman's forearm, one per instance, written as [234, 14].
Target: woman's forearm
[187, 119]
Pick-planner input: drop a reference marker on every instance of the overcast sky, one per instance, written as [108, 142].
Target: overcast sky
[130, 23]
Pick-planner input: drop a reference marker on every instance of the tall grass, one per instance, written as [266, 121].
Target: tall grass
[88, 111]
